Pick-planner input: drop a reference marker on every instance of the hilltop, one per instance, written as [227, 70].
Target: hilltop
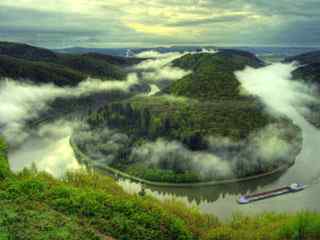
[212, 74]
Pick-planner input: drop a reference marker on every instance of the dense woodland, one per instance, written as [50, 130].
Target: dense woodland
[213, 74]
[207, 102]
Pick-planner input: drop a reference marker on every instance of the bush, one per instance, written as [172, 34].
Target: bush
[303, 226]
[4, 164]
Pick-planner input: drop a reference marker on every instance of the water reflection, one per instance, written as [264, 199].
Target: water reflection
[222, 200]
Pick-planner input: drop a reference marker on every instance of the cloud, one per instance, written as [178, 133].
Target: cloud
[274, 86]
[24, 101]
[140, 23]
[207, 21]
[154, 29]
[48, 148]
[158, 68]
[263, 150]
[173, 155]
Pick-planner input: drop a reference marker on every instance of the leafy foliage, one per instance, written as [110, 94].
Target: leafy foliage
[269, 226]
[4, 165]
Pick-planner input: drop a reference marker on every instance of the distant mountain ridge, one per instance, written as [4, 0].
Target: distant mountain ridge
[310, 66]
[25, 62]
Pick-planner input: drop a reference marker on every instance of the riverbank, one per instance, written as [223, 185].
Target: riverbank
[91, 206]
[85, 160]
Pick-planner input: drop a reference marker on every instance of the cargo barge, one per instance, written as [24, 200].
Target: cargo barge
[295, 187]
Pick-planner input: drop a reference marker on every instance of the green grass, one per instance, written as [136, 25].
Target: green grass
[39, 204]
[88, 206]
[269, 226]
[36, 206]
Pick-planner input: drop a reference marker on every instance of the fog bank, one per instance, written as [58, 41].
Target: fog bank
[48, 149]
[274, 86]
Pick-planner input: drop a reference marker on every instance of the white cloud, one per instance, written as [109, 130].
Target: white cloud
[48, 149]
[274, 86]
[166, 22]
[23, 101]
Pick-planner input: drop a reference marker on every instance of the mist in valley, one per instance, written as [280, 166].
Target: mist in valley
[282, 94]
[272, 146]
[46, 144]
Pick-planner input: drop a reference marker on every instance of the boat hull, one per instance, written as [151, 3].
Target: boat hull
[270, 194]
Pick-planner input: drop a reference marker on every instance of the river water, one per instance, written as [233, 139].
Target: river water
[55, 153]
[222, 200]
[274, 86]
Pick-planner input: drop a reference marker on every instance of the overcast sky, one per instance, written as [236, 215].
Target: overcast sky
[138, 23]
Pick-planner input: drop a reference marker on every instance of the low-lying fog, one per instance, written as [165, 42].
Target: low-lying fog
[46, 145]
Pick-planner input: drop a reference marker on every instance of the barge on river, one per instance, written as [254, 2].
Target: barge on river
[295, 187]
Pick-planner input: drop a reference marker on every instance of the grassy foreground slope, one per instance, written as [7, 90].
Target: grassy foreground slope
[82, 206]
[88, 206]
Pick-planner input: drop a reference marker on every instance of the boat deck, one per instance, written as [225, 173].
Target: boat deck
[269, 194]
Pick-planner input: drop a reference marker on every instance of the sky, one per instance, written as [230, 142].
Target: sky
[137, 23]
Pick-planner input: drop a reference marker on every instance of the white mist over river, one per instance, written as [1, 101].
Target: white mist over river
[47, 145]
[51, 149]
[48, 149]
[274, 86]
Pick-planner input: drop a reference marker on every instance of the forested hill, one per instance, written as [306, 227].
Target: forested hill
[212, 74]
[24, 62]
[309, 69]
[206, 103]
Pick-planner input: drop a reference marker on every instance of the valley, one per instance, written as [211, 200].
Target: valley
[205, 124]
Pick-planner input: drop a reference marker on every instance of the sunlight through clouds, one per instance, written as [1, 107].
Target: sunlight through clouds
[103, 23]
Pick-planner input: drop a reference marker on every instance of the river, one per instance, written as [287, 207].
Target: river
[222, 200]
[274, 86]
[54, 151]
